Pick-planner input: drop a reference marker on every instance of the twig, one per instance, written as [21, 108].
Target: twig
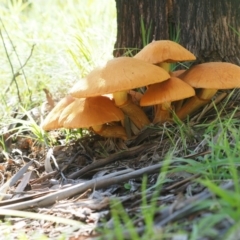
[189, 206]
[115, 157]
[180, 183]
[101, 182]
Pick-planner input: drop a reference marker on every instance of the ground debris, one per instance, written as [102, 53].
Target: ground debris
[79, 180]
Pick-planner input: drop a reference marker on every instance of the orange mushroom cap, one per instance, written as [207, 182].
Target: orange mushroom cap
[213, 75]
[51, 121]
[88, 112]
[119, 74]
[164, 51]
[171, 90]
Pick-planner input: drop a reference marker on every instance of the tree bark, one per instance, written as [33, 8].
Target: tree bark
[206, 27]
[129, 15]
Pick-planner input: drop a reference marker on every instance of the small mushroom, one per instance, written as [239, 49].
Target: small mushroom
[162, 94]
[163, 53]
[95, 112]
[51, 121]
[117, 77]
[208, 78]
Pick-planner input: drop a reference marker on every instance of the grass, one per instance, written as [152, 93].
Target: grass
[51, 44]
[62, 43]
[219, 166]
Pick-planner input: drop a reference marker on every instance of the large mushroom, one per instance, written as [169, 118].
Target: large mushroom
[51, 121]
[208, 78]
[163, 53]
[118, 76]
[162, 94]
[97, 113]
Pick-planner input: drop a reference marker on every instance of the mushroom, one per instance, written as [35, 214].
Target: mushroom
[136, 96]
[162, 94]
[51, 121]
[118, 76]
[95, 112]
[208, 78]
[177, 104]
[164, 52]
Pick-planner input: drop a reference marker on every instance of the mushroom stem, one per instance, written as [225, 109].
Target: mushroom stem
[135, 113]
[120, 97]
[115, 131]
[166, 66]
[207, 93]
[195, 102]
[178, 105]
[162, 113]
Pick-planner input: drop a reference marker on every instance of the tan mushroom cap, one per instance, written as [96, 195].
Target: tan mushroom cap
[213, 75]
[164, 51]
[168, 91]
[51, 121]
[88, 112]
[119, 74]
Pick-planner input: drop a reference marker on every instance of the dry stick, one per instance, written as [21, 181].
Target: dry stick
[55, 172]
[110, 159]
[189, 206]
[180, 183]
[30, 196]
[97, 183]
[143, 135]
[167, 215]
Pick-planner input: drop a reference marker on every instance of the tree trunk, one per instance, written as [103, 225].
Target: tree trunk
[206, 27]
[129, 16]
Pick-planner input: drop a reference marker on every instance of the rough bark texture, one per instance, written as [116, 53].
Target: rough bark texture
[205, 26]
[129, 15]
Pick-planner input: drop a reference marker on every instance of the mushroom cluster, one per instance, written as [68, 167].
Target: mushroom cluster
[90, 106]
[107, 96]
